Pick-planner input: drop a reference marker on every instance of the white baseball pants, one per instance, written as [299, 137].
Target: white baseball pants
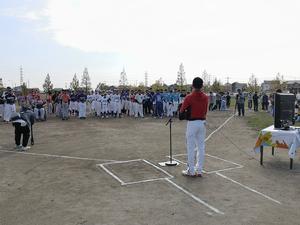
[195, 137]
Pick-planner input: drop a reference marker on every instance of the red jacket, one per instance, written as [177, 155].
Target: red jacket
[198, 101]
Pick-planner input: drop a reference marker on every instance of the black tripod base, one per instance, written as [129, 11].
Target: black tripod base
[169, 163]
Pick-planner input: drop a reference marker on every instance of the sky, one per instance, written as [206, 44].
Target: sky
[232, 38]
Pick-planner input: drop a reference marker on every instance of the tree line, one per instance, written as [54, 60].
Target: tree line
[214, 85]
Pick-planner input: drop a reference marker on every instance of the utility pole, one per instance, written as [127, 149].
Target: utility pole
[227, 80]
[146, 79]
[21, 76]
[227, 83]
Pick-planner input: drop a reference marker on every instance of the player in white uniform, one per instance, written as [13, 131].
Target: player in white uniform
[104, 106]
[112, 104]
[93, 103]
[81, 97]
[116, 103]
[97, 103]
[127, 104]
[90, 99]
[139, 97]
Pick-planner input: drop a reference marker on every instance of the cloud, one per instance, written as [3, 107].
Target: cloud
[160, 34]
[227, 38]
[23, 13]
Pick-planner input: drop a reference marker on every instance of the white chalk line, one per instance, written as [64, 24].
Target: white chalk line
[224, 160]
[57, 156]
[212, 156]
[155, 179]
[222, 170]
[216, 130]
[238, 167]
[121, 161]
[248, 188]
[111, 173]
[195, 197]
[145, 181]
[160, 169]
[210, 135]
[102, 165]
[213, 171]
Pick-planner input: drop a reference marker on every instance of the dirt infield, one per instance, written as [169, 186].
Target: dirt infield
[106, 172]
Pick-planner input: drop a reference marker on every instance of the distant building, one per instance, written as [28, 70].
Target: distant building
[17, 89]
[293, 86]
[236, 85]
[1, 83]
[266, 85]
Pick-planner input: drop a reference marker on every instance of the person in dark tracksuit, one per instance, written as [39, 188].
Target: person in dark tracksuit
[228, 100]
[22, 123]
[255, 102]
[240, 101]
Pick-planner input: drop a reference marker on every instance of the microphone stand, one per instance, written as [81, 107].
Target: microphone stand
[171, 162]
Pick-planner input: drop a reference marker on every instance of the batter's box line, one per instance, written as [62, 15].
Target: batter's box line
[123, 183]
[217, 172]
[211, 172]
[167, 179]
[237, 166]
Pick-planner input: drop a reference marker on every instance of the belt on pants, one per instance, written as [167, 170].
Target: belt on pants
[193, 119]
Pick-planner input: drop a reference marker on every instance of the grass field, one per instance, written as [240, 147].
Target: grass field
[261, 120]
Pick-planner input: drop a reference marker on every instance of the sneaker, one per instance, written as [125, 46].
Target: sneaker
[18, 147]
[187, 173]
[26, 148]
[197, 174]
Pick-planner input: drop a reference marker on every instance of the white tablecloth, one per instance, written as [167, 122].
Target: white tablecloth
[287, 139]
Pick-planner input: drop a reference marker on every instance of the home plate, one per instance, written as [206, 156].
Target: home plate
[169, 163]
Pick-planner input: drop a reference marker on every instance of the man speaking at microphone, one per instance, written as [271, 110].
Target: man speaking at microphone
[197, 104]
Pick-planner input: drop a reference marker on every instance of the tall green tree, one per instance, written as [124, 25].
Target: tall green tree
[253, 84]
[158, 85]
[47, 86]
[278, 83]
[206, 81]
[24, 89]
[181, 81]
[216, 86]
[86, 81]
[123, 79]
[101, 87]
[74, 85]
